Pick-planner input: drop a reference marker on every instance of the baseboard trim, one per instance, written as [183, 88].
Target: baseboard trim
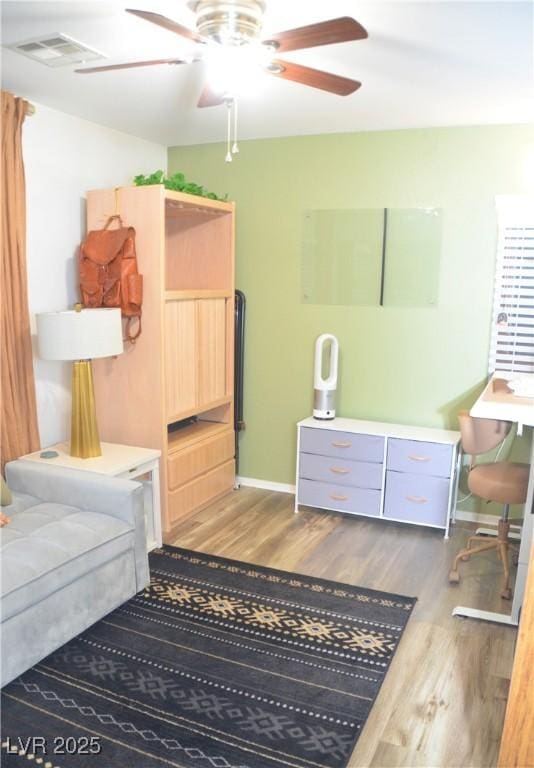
[269, 485]
[476, 517]
[266, 485]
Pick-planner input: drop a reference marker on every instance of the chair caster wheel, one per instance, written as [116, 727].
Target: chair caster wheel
[454, 577]
[506, 594]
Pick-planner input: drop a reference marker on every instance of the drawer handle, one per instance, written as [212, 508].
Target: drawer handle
[337, 497]
[413, 457]
[417, 499]
[340, 471]
[338, 444]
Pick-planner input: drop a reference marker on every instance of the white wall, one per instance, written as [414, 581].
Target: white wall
[64, 157]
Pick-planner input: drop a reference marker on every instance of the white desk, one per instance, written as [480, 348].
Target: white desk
[126, 461]
[497, 403]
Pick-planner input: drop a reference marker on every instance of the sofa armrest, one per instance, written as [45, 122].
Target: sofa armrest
[91, 491]
[85, 490]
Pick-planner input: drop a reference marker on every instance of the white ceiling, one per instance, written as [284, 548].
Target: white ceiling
[424, 64]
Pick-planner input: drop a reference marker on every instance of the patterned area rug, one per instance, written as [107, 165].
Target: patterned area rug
[218, 664]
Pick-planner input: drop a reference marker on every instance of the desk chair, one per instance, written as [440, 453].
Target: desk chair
[504, 482]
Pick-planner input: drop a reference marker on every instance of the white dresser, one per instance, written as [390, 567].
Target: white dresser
[375, 469]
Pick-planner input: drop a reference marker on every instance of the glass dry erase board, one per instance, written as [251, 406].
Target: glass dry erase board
[386, 257]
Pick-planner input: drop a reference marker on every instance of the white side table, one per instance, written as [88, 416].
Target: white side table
[125, 461]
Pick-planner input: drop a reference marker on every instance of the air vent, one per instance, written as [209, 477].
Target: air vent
[56, 50]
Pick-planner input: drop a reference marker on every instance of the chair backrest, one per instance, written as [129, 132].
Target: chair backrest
[481, 435]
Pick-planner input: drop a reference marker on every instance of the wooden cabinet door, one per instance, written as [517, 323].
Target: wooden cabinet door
[181, 367]
[211, 350]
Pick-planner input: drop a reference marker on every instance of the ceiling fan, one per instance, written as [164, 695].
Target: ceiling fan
[234, 27]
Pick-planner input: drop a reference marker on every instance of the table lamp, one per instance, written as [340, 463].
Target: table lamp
[81, 335]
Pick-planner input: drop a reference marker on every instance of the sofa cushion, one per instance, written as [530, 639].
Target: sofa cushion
[19, 502]
[47, 546]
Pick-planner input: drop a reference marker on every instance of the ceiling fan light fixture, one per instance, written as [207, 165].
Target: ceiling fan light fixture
[229, 22]
[264, 53]
[275, 68]
[233, 71]
[230, 34]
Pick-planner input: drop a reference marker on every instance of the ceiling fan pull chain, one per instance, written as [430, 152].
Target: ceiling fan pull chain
[235, 147]
[228, 157]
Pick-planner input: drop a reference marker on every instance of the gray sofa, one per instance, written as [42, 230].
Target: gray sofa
[74, 549]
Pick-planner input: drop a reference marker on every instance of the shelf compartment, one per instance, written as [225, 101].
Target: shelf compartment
[194, 411]
[222, 413]
[191, 294]
[181, 201]
[199, 255]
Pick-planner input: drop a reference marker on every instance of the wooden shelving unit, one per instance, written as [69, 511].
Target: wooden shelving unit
[182, 365]
[172, 418]
[193, 294]
[192, 433]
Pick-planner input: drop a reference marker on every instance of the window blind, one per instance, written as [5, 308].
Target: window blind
[512, 327]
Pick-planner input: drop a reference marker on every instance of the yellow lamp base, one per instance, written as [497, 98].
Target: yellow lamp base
[84, 439]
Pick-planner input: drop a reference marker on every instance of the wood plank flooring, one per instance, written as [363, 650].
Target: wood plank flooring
[443, 700]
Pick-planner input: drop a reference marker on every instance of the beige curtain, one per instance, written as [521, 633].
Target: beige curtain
[20, 433]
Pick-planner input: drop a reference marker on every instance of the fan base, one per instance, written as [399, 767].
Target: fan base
[229, 22]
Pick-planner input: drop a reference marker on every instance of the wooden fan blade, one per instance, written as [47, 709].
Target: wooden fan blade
[129, 65]
[210, 98]
[163, 21]
[315, 78]
[340, 30]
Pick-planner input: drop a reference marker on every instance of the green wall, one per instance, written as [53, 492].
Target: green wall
[408, 365]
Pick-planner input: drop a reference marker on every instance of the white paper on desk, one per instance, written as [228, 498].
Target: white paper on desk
[522, 386]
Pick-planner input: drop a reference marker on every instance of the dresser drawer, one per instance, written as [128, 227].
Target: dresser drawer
[201, 491]
[360, 501]
[362, 474]
[343, 445]
[416, 498]
[419, 457]
[184, 465]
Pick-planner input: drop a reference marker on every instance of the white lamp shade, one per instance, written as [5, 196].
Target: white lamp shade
[83, 335]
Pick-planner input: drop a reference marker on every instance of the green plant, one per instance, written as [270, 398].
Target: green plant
[176, 182]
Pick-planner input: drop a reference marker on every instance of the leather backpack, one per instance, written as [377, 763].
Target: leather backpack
[109, 276]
